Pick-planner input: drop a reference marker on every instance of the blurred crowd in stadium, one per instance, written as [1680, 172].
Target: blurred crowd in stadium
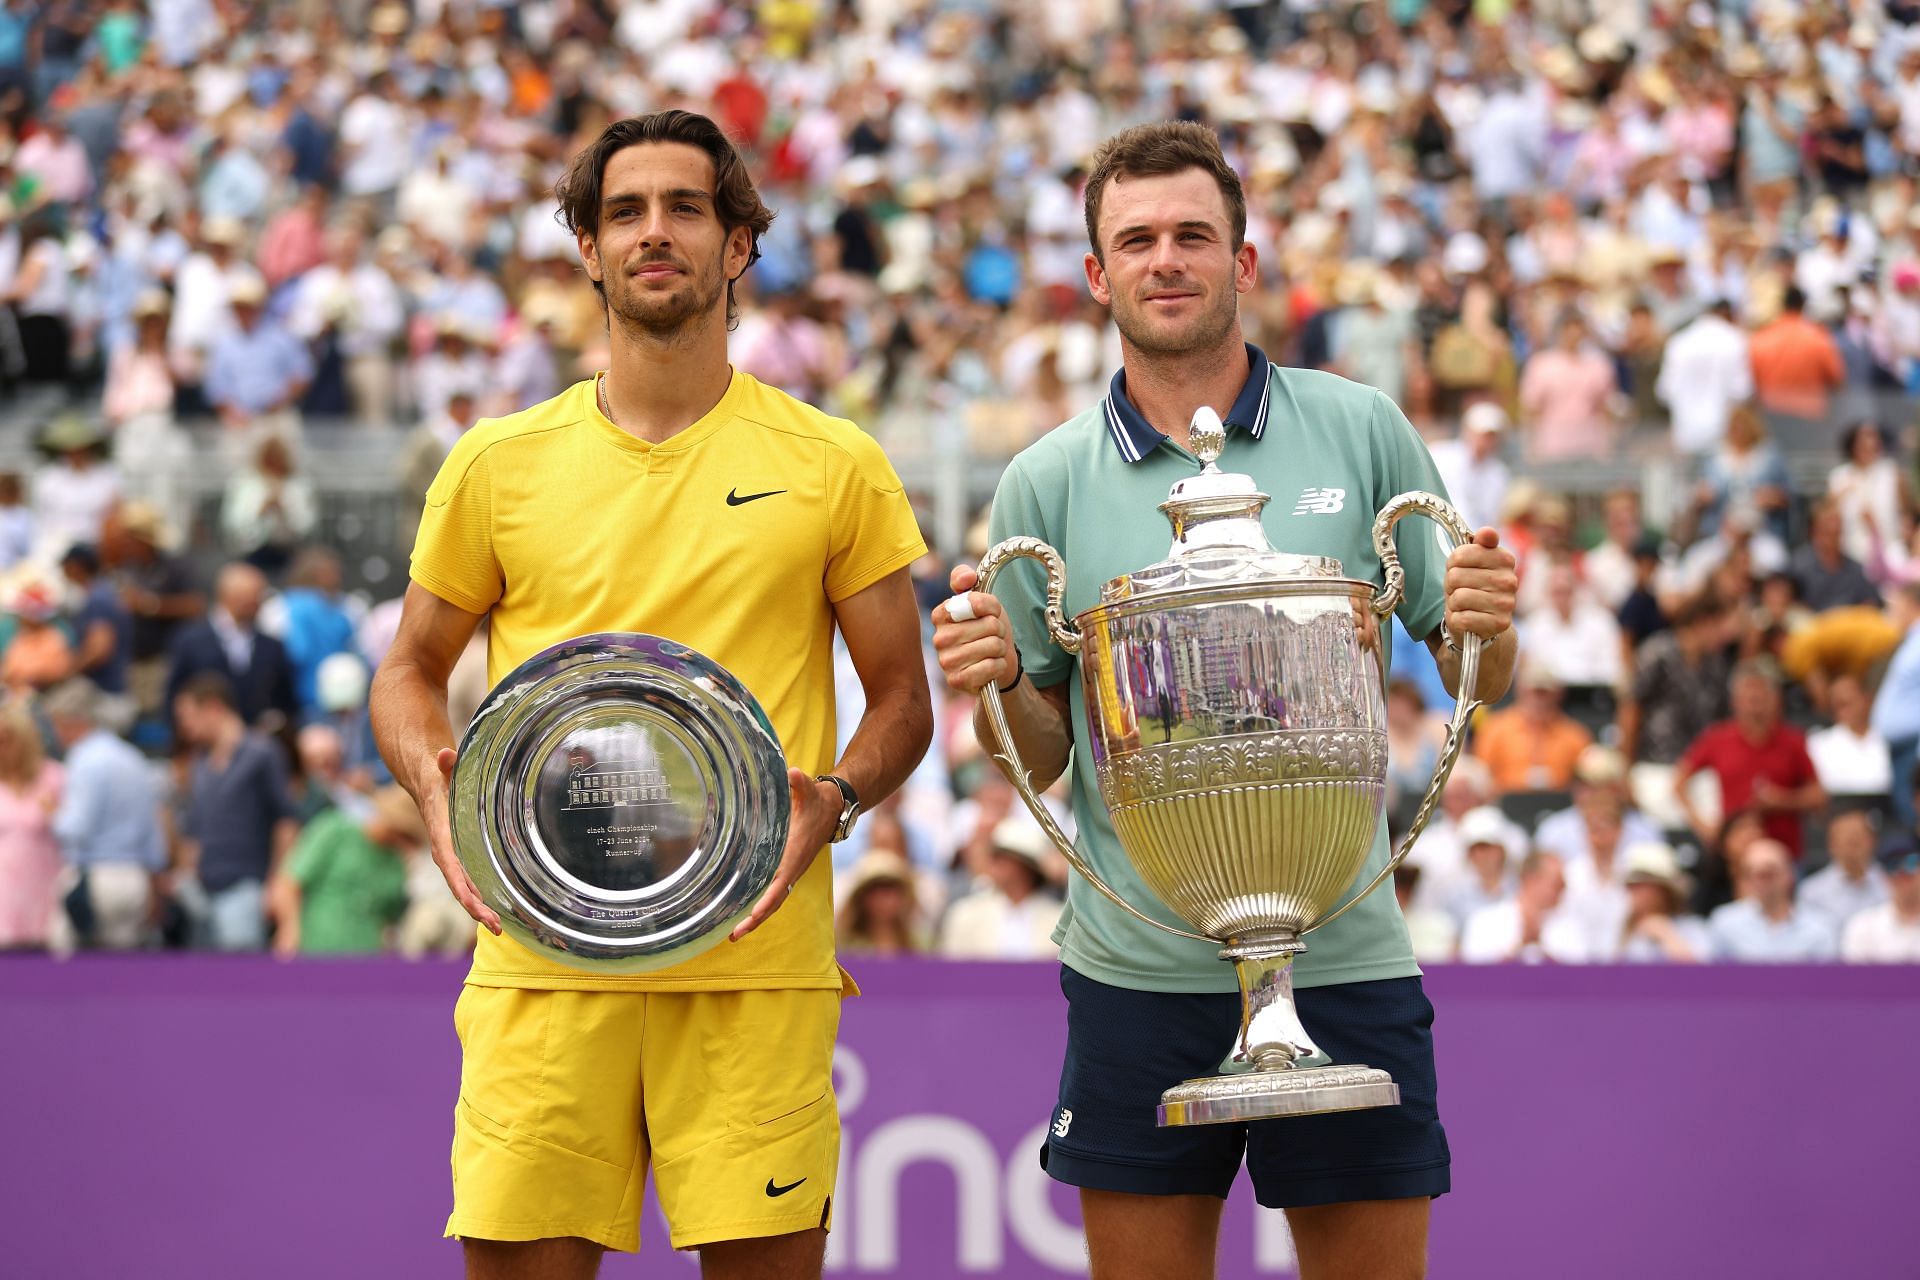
[1562, 234]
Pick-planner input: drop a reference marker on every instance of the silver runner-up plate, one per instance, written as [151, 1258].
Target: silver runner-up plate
[621, 801]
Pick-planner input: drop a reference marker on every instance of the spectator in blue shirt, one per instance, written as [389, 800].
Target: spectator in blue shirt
[340, 692]
[102, 625]
[235, 185]
[308, 137]
[1896, 708]
[1412, 662]
[240, 817]
[1822, 574]
[317, 625]
[16, 26]
[1763, 925]
[16, 521]
[992, 271]
[108, 822]
[257, 371]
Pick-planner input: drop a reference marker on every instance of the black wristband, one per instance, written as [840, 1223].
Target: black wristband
[1018, 671]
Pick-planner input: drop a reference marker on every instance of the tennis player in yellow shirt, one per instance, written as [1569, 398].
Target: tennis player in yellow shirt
[676, 496]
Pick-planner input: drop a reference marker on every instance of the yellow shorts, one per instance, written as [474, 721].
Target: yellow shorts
[567, 1096]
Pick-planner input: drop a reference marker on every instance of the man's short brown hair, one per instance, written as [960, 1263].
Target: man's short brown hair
[735, 199]
[1152, 150]
[1700, 607]
[209, 687]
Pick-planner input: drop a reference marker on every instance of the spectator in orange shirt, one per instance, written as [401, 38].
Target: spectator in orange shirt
[1532, 745]
[531, 89]
[1796, 363]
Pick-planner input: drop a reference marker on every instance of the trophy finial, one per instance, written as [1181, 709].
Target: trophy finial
[1207, 435]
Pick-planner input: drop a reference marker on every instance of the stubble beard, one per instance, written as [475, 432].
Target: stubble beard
[1204, 331]
[663, 317]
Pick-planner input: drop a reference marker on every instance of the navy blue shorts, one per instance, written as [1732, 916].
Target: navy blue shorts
[1124, 1048]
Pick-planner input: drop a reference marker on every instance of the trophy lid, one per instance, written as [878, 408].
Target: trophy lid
[1218, 539]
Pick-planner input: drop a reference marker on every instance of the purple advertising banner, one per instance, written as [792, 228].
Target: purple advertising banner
[212, 1117]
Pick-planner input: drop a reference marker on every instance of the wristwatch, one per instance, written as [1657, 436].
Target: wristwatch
[851, 803]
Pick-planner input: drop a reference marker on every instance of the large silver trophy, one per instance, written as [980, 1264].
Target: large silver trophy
[1236, 715]
[620, 801]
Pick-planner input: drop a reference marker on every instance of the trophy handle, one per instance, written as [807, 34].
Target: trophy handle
[1385, 600]
[1063, 634]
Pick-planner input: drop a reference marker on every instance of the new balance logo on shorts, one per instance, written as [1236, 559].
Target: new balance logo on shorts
[1320, 502]
[1063, 1122]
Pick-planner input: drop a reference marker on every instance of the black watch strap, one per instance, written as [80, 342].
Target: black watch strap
[850, 805]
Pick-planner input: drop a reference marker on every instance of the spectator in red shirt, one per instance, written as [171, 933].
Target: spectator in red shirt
[1760, 761]
[741, 105]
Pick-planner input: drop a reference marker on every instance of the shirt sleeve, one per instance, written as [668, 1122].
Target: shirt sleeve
[1831, 363]
[1896, 709]
[391, 889]
[871, 528]
[1718, 932]
[299, 359]
[1699, 753]
[79, 799]
[1664, 381]
[453, 554]
[1021, 587]
[218, 382]
[1740, 385]
[1856, 940]
[1774, 471]
[1423, 545]
[1803, 770]
[273, 779]
[1533, 387]
[1648, 675]
[308, 861]
[154, 795]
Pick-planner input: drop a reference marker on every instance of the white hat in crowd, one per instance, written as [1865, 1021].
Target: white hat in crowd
[1487, 825]
[1484, 418]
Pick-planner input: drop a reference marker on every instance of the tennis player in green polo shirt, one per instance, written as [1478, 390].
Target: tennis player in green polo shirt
[1167, 220]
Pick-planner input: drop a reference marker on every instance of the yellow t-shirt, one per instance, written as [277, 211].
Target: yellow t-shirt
[1845, 641]
[558, 523]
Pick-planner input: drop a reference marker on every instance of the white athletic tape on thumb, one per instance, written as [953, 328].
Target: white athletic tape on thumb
[960, 608]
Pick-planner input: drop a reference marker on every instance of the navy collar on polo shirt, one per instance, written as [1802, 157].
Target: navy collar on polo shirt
[1135, 437]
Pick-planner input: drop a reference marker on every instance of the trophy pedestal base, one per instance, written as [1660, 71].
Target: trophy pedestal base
[1263, 1095]
[1276, 1069]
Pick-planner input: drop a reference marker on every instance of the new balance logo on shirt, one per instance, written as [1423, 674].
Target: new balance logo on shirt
[1320, 502]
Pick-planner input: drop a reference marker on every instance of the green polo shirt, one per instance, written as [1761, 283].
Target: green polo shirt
[1331, 453]
[351, 889]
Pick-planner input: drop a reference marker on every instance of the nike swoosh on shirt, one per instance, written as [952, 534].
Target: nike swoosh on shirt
[771, 1189]
[735, 498]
